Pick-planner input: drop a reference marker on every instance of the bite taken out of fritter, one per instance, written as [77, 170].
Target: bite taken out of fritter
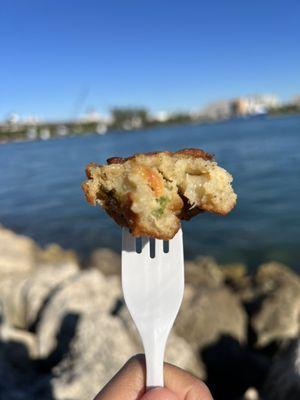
[150, 193]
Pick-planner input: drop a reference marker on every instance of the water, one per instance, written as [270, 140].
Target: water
[40, 192]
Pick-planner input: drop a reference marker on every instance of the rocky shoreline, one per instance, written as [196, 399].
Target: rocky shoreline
[239, 333]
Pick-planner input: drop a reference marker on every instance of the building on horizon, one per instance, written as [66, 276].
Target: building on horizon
[255, 104]
[217, 110]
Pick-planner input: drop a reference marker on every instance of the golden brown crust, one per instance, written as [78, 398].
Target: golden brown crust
[197, 153]
[88, 169]
[88, 194]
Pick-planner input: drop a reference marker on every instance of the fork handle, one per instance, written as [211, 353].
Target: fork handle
[154, 347]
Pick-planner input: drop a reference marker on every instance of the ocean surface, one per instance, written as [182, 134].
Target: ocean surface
[40, 194]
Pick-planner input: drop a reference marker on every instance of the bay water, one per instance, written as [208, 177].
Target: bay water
[40, 194]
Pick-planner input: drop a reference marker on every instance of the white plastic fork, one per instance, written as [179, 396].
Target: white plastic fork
[153, 290]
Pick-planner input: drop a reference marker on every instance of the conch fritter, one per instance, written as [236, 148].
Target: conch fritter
[151, 192]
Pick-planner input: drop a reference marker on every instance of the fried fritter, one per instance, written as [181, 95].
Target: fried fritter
[151, 192]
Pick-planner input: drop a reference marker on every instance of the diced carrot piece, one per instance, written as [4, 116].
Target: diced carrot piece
[154, 180]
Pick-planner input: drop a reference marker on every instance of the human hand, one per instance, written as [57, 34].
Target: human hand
[129, 384]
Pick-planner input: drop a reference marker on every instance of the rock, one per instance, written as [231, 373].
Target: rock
[84, 333]
[283, 381]
[180, 353]
[278, 315]
[99, 349]
[11, 299]
[247, 293]
[23, 295]
[87, 291]
[17, 253]
[234, 272]
[106, 261]
[43, 283]
[23, 284]
[209, 314]
[203, 271]
[25, 339]
[236, 277]
[75, 334]
[54, 255]
[20, 254]
[272, 275]
[188, 296]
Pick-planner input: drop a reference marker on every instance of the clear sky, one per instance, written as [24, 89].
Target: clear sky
[62, 57]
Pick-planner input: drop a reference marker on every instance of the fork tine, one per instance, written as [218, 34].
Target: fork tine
[128, 241]
[145, 246]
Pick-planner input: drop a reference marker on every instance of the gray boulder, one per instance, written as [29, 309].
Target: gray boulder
[106, 261]
[23, 295]
[210, 313]
[278, 317]
[180, 353]
[273, 275]
[28, 274]
[88, 291]
[17, 253]
[237, 278]
[20, 254]
[203, 271]
[99, 349]
[42, 284]
[11, 299]
[234, 273]
[54, 255]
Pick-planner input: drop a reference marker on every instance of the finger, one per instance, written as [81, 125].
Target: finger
[129, 383]
[159, 394]
[185, 385]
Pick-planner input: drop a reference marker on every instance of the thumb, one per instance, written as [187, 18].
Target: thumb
[159, 394]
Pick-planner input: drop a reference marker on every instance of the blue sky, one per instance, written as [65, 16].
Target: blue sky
[60, 58]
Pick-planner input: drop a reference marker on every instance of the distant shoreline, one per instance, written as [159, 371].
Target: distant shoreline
[20, 137]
